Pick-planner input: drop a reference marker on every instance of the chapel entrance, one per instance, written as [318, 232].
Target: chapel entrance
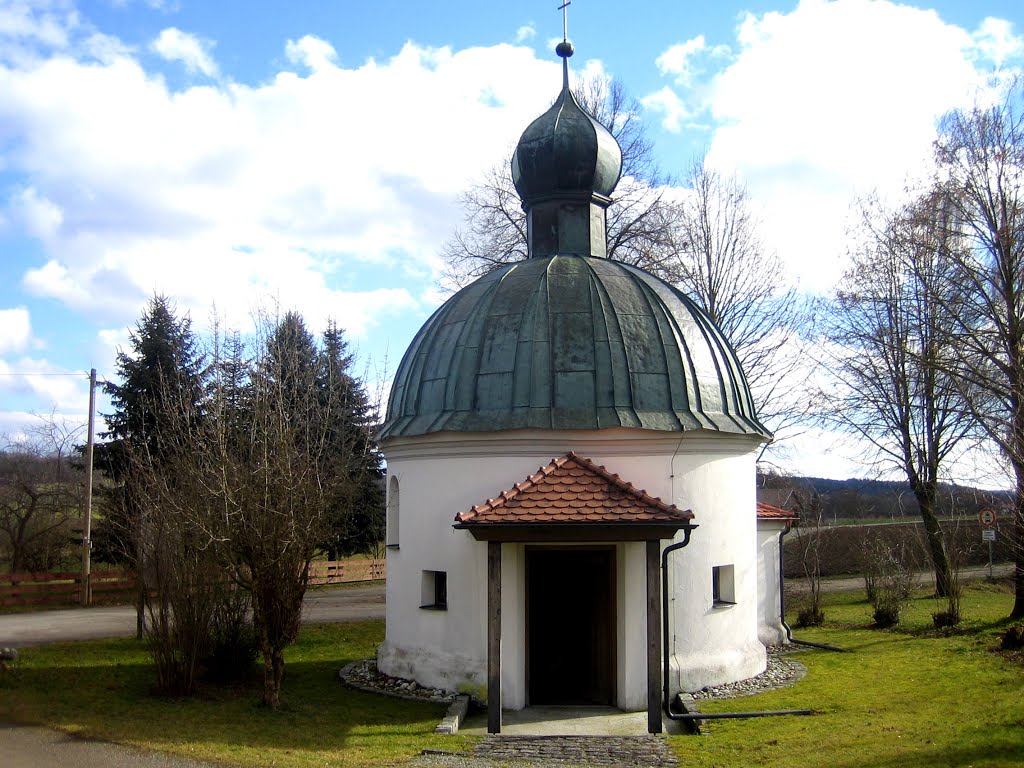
[570, 625]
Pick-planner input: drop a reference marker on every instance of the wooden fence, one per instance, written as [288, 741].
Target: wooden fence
[42, 589]
[54, 589]
[344, 571]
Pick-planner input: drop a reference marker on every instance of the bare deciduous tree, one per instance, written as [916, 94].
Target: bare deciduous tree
[980, 153]
[40, 494]
[719, 260]
[264, 477]
[889, 333]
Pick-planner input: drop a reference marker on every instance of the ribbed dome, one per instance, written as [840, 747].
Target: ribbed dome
[569, 342]
[566, 152]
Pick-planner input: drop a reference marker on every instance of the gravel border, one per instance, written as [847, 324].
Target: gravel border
[781, 672]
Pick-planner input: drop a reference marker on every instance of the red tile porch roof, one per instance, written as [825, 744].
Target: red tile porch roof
[573, 489]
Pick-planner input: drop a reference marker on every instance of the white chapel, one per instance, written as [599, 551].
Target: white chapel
[571, 446]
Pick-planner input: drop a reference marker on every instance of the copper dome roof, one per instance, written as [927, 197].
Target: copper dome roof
[569, 342]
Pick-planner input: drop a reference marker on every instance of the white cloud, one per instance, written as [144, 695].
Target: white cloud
[313, 52]
[106, 48]
[526, 32]
[686, 61]
[53, 387]
[996, 41]
[15, 329]
[41, 21]
[828, 101]
[670, 105]
[242, 194]
[175, 45]
[40, 217]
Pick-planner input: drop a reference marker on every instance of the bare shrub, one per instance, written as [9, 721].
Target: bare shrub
[889, 570]
[40, 495]
[809, 535]
[232, 650]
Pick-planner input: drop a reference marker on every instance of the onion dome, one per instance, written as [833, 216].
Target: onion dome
[569, 342]
[565, 167]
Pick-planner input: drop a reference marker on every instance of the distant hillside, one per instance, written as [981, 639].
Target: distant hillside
[857, 498]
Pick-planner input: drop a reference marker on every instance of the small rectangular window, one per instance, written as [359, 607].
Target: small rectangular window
[723, 585]
[434, 591]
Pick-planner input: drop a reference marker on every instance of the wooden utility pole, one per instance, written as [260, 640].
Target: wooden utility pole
[87, 527]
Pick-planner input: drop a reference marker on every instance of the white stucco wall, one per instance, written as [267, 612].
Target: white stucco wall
[769, 630]
[441, 475]
[710, 644]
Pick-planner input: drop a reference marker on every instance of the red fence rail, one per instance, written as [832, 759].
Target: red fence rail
[119, 586]
[42, 589]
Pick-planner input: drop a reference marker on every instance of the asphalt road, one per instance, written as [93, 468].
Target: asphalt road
[922, 578]
[350, 602]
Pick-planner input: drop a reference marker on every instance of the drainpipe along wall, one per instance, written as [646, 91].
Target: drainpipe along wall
[665, 634]
[782, 603]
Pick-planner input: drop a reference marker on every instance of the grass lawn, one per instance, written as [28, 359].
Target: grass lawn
[101, 689]
[912, 697]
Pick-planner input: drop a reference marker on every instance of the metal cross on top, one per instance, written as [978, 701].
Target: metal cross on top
[564, 8]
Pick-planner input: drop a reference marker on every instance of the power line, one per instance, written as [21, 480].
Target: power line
[40, 373]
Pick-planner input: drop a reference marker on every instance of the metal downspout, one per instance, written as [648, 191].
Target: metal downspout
[782, 605]
[666, 697]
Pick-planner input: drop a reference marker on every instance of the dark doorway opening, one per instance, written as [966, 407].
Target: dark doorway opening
[570, 625]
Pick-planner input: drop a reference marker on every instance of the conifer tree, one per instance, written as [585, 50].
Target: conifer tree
[356, 516]
[161, 376]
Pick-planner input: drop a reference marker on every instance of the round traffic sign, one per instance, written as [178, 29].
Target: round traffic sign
[987, 517]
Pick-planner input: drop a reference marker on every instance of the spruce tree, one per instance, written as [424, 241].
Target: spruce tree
[356, 518]
[161, 375]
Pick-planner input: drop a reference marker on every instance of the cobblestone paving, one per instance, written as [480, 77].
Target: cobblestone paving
[558, 752]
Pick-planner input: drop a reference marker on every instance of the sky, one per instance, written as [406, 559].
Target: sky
[309, 155]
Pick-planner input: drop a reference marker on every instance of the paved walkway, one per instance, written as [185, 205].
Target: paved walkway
[561, 721]
[353, 602]
[550, 751]
[24, 746]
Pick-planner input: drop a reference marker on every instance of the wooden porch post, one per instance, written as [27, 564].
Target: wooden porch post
[494, 637]
[653, 640]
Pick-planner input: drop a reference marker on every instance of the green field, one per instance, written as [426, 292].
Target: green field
[911, 697]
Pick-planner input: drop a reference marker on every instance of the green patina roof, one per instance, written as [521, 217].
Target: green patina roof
[565, 152]
[569, 342]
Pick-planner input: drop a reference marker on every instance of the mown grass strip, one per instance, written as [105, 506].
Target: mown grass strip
[909, 697]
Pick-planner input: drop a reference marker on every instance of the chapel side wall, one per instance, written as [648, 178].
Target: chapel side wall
[449, 648]
[769, 628]
[713, 644]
